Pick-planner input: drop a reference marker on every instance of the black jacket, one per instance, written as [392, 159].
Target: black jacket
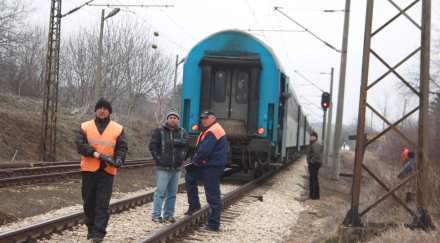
[175, 144]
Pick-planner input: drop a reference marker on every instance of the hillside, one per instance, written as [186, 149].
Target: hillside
[20, 119]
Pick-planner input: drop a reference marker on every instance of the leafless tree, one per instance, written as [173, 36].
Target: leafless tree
[130, 68]
[12, 16]
[161, 90]
[31, 64]
[77, 69]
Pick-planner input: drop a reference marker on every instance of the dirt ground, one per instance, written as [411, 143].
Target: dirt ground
[322, 219]
[319, 222]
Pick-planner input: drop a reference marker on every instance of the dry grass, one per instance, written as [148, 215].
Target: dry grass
[325, 216]
[21, 123]
[405, 235]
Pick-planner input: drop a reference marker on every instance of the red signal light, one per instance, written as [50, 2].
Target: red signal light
[325, 100]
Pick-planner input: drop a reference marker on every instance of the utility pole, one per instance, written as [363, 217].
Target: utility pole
[329, 121]
[175, 81]
[98, 92]
[48, 130]
[340, 109]
[423, 184]
[421, 175]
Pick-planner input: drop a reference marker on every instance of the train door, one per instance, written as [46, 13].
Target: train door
[230, 93]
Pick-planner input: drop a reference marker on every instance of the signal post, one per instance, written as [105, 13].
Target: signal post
[325, 103]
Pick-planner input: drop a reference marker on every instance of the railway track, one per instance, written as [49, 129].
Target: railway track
[47, 174]
[45, 228]
[181, 231]
[7, 166]
[174, 231]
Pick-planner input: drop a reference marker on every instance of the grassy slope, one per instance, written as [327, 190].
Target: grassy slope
[20, 119]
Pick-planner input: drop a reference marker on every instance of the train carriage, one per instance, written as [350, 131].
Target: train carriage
[240, 78]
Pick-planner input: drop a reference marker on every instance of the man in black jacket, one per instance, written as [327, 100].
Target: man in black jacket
[314, 160]
[166, 147]
[103, 146]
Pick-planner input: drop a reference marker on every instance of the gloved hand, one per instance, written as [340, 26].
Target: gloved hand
[189, 152]
[156, 157]
[107, 159]
[179, 142]
[118, 163]
[96, 155]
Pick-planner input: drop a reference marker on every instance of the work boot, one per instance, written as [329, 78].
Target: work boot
[209, 228]
[192, 210]
[158, 220]
[97, 239]
[170, 219]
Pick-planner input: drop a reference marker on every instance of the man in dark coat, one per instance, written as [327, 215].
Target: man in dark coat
[314, 160]
[166, 147]
[208, 165]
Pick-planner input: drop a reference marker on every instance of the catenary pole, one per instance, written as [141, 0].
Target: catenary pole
[329, 121]
[340, 108]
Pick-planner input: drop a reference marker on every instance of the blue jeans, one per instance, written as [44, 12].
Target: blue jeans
[165, 194]
[211, 180]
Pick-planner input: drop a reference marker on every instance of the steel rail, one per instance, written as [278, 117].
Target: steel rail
[41, 164]
[35, 231]
[13, 172]
[53, 177]
[185, 224]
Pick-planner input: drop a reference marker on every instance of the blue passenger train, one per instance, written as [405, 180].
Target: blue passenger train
[239, 77]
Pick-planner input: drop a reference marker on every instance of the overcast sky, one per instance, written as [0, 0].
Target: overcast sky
[304, 57]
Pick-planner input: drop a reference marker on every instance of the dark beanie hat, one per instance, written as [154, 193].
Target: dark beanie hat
[104, 103]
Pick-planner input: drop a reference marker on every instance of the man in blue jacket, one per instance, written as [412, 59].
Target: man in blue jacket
[208, 165]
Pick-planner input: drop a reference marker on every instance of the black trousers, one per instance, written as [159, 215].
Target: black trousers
[313, 181]
[96, 193]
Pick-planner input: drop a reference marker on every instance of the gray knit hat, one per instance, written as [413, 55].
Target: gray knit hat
[173, 112]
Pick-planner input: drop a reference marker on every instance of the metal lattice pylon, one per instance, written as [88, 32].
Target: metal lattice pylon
[353, 217]
[50, 102]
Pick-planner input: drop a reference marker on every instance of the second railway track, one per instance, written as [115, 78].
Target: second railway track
[14, 177]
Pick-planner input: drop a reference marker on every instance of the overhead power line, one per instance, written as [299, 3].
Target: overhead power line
[296, 22]
[314, 85]
[76, 9]
[128, 5]
[250, 30]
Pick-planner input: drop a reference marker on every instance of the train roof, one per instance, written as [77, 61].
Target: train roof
[269, 49]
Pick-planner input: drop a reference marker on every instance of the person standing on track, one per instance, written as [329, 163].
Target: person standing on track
[103, 146]
[314, 160]
[166, 146]
[208, 165]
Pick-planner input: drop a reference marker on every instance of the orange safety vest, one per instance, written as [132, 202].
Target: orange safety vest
[216, 129]
[404, 156]
[103, 143]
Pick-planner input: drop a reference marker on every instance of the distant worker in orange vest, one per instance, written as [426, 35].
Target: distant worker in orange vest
[404, 156]
[103, 146]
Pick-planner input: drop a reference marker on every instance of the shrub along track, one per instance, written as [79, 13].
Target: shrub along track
[14, 177]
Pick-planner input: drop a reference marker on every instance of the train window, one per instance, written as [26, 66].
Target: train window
[219, 89]
[242, 88]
